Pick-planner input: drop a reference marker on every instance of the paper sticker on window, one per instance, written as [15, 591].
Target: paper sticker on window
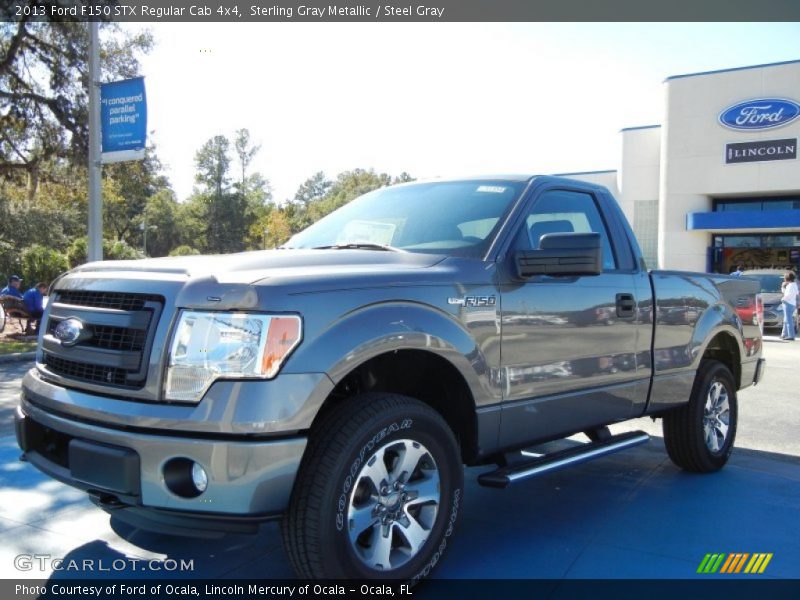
[371, 232]
[492, 189]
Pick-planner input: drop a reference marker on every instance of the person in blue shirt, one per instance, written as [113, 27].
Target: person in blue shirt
[12, 289]
[34, 303]
[737, 272]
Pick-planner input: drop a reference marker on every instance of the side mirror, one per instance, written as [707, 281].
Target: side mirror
[562, 254]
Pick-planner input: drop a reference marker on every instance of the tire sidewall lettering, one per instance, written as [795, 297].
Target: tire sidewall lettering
[425, 571]
[355, 466]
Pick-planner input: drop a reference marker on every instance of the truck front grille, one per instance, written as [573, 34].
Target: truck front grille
[114, 300]
[112, 338]
[114, 348]
[86, 372]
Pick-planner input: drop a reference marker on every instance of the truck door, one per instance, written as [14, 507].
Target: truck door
[575, 350]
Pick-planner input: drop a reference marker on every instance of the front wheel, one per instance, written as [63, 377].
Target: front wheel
[378, 493]
[699, 436]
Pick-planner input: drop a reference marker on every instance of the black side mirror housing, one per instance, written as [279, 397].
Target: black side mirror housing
[562, 254]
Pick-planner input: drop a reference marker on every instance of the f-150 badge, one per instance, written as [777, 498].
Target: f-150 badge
[473, 301]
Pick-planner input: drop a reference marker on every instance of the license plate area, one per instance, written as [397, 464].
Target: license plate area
[105, 467]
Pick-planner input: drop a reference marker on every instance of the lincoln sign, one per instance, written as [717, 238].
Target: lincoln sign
[761, 151]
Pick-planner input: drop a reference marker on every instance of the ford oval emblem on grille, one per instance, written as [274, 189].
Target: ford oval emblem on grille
[69, 332]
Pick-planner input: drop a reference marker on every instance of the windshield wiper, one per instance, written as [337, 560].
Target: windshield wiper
[359, 246]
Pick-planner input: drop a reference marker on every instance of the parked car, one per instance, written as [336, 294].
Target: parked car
[770, 289]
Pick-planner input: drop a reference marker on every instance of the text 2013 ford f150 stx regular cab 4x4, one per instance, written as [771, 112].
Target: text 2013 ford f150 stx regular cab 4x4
[341, 382]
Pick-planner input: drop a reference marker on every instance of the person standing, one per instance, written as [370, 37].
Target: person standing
[789, 302]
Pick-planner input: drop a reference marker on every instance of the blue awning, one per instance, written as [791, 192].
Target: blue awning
[743, 219]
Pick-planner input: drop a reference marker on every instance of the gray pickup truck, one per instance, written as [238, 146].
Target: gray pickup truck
[341, 382]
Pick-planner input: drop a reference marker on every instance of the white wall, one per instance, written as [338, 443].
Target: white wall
[693, 168]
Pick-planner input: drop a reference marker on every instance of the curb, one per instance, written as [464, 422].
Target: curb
[17, 357]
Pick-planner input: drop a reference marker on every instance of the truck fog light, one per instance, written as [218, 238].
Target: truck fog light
[199, 477]
[185, 478]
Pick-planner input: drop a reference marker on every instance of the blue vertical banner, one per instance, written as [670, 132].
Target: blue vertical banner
[123, 116]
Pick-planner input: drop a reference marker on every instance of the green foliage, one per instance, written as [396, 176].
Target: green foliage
[127, 188]
[192, 216]
[112, 250]
[78, 251]
[228, 211]
[277, 229]
[312, 189]
[40, 263]
[348, 185]
[316, 197]
[161, 220]
[10, 261]
[119, 250]
[184, 251]
[43, 99]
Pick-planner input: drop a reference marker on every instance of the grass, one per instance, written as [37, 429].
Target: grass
[13, 346]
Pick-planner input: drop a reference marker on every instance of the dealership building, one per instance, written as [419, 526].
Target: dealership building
[717, 183]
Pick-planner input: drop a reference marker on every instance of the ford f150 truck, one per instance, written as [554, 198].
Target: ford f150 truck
[341, 382]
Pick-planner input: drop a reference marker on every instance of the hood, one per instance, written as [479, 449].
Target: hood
[266, 265]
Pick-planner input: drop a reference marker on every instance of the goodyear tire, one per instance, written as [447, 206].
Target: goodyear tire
[699, 436]
[378, 492]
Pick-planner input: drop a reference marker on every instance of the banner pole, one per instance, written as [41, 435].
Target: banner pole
[95, 245]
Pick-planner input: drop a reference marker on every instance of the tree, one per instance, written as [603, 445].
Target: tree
[230, 211]
[277, 229]
[161, 220]
[312, 189]
[213, 174]
[184, 251]
[127, 188]
[40, 263]
[192, 218]
[213, 165]
[245, 152]
[43, 91]
[348, 185]
[112, 250]
[403, 178]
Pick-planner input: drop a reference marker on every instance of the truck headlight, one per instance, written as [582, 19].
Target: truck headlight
[207, 346]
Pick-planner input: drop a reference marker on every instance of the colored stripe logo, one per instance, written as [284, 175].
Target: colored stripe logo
[738, 562]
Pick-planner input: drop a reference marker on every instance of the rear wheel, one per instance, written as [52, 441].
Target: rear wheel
[699, 436]
[378, 493]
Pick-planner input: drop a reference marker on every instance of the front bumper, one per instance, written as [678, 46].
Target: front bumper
[249, 480]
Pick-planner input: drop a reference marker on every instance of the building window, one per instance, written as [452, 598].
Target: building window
[645, 226]
[757, 204]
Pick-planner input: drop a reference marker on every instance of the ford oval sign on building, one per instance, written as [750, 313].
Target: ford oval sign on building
[762, 113]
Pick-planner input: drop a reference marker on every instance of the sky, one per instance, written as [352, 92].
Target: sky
[432, 99]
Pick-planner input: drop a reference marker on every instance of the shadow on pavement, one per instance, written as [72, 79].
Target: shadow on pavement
[629, 515]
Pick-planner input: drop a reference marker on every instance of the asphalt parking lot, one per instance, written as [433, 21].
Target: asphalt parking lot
[629, 515]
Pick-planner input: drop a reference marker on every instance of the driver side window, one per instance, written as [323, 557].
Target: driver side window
[562, 211]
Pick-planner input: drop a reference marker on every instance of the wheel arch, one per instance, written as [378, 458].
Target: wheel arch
[724, 347]
[419, 374]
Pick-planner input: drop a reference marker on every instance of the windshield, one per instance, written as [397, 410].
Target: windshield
[768, 283]
[456, 218]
